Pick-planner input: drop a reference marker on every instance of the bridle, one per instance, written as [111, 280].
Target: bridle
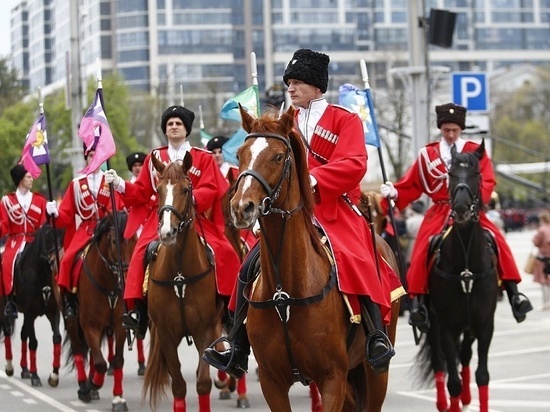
[186, 217]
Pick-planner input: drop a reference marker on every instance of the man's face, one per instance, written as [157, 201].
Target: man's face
[91, 155]
[218, 156]
[451, 132]
[302, 93]
[175, 130]
[136, 168]
[26, 182]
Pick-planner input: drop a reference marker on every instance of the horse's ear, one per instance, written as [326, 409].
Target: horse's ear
[481, 149]
[246, 119]
[187, 162]
[287, 119]
[157, 164]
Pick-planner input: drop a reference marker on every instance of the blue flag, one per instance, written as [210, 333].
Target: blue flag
[229, 149]
[360, 101]
[249, 99]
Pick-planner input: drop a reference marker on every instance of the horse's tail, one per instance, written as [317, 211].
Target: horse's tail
[157, 377]
[423, 367]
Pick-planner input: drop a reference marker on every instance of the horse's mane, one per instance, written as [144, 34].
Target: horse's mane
[105, 224]
[43, 239]
[173, 171]
[270, 122]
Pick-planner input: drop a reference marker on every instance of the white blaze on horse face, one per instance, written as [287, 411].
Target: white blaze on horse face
[256, 148]
[166, 228]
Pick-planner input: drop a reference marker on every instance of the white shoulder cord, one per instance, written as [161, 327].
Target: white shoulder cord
[17, 216]
[85, 211]
[430, 166]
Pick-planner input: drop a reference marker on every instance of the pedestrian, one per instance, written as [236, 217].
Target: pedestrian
[337, 161]
[541, 272]
[87, 199]
[209, 186]
[21, 214]
[429, 175]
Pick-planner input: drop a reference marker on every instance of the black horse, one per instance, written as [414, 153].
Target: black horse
[463, 292]
[37, 295]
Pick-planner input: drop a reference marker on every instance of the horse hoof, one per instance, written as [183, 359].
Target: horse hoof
[53, 380]
[224, 395]
[85, 395]
[36, 382]
[25, 374]
[9, 370]
[95, 394]
[243, 403]
[119, 405]
[141, 369]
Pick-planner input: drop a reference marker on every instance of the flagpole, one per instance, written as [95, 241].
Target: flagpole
[254, 72]
[181, 96]
[201, 122]
[400, 259]
[49, 182]
[121, 279]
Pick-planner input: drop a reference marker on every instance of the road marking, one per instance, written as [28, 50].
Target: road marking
[37, 394]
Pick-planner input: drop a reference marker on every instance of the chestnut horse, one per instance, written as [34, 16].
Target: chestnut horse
[100, 291]
[463, 286]
[301, 332]
[182, 294]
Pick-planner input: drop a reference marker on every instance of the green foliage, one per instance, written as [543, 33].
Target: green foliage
[11, 90]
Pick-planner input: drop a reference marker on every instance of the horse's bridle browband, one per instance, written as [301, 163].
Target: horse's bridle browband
[272, 194]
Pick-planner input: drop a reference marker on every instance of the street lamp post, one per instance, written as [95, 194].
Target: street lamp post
[77, 161]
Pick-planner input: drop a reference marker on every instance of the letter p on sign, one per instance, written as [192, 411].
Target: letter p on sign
[471, 91]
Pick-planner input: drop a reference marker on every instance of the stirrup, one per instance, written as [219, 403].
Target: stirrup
[419, 318]
[235, 370]
[380, 363]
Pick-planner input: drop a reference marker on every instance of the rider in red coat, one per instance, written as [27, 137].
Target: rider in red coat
[86, 200]
[428, 175]
[21, 213]
[337, 161]
[208, 188]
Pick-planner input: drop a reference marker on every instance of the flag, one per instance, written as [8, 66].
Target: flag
[95, 132]
[360, 101]
[229, 149]
[205, 137]
[249, 99]
[35, 150]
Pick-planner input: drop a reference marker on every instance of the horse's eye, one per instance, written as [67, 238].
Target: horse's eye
[279, 158]
[184, 190]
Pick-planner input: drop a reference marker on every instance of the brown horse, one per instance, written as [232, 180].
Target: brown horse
[306, 337]
[370, 205]
[182, 295]
[100, 291]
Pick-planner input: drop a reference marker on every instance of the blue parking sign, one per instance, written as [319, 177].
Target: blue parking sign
[470, 90]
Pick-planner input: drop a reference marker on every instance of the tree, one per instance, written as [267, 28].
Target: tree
[11, 90]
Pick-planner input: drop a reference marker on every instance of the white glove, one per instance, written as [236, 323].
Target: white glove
[112, 177]
[51, 208]
[388, 190]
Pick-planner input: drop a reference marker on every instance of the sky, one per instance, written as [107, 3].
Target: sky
[5, 14]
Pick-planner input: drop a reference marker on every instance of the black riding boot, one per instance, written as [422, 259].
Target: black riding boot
[234, 360]
[70, 306]
[519, 302]
[137, 319]
[419, 314]
[10, 310]
[379, 347]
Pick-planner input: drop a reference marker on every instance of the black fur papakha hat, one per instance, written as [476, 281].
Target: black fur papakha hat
[133, 158]
[186, 116]
[310, 67]
[216, 142]
[451, 113]
[17, 173]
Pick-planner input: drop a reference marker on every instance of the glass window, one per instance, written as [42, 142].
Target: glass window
[161, 4]
[133, 55]
[105, 8]
[134, 5]
[135, 73]
[106, 47]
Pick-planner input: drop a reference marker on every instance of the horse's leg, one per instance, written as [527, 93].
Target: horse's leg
[119, 403]
[72, 328]
[140, 357]
[376, 389]
[169, 353]
[482, 371]
[465, 357]
[454, 386]
[33, 346]
[110, 351]
[54, 317]
[204, 381]
[25, 374]
[242, 400]
[98, 364]
[8, 351]
[438, 365]
[275, 392]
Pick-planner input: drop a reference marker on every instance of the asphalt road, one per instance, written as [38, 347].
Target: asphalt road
[519, 363]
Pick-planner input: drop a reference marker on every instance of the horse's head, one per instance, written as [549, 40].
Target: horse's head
[270, 163]
[175, 198]
[465, 185]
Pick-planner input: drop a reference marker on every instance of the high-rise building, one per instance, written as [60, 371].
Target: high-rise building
[205, 45]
